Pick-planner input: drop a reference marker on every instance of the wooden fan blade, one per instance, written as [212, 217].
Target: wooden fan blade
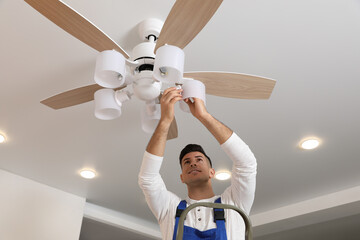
[173, 130]
[234, 85]
[75, 24]
[185, 21]
[73, 97]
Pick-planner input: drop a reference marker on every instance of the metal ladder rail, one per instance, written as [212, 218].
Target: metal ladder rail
[248, 228]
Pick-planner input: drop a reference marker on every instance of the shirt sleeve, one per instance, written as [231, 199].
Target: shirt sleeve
[157, 196]
[241, 192]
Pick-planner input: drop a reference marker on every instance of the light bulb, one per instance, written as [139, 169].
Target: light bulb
[88, 174]
[223, 175]
[310, 143]
[2, 138]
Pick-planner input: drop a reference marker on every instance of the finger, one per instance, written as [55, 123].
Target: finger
[189, 103]
[169, 90]
[170, 95]
[197, 99]
[199, 102]
[175, 99]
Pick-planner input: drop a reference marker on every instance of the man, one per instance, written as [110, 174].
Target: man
[197, 173]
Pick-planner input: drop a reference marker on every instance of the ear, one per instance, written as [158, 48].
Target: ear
[181, 177]
[211, 172]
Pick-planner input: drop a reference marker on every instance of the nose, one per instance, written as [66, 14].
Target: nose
[193, 164]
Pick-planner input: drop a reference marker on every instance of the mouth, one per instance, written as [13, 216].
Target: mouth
[193, 170]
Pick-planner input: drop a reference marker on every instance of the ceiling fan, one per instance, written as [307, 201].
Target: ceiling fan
[120, 76]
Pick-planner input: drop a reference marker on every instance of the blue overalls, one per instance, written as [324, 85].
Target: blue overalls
[218, 233]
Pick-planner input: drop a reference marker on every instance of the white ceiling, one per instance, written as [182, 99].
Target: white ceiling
[311, 47]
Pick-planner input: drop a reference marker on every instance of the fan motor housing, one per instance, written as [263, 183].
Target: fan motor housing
[143, 50]
[143, 53]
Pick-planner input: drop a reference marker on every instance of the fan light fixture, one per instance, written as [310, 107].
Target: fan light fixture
[169, 64]
[310, 143]
[2, 138]
[106, 107]
[110, 69]
[222, 175]
[192, 89]
[87, 173]
[150, 116]
[108, 103]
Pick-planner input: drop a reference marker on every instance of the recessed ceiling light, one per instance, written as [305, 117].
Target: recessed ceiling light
[222, 175]
[87, 173]
[2, 138]
[310, 143]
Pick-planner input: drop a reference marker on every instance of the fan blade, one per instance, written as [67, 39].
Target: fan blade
[234, 85]
[73, 97]
[75, 24]
[173, 130]
[185, 21]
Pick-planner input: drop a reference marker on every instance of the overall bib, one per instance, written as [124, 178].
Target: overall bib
[218, 233]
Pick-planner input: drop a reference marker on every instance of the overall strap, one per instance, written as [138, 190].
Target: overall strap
[180, 208]
[219, 219]
[219, 212]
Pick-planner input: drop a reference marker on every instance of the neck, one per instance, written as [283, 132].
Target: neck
[198, 192]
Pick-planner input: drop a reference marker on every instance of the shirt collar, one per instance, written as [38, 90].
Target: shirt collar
[192, 201]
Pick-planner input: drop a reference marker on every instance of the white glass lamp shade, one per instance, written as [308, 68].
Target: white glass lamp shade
[145, 87]
[106, 108]
[110, 69]
[192, 89]
[147, 92]
[169, 64]
[150, 117]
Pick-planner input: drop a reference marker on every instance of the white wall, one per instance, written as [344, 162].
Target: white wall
[33, 211]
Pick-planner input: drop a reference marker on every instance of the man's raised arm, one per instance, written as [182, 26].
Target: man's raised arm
[156, 145]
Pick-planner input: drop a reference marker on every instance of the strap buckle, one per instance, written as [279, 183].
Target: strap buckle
[178, 212]
[219, 214]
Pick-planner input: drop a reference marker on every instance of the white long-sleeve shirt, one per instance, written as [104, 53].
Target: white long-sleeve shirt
[240, 193]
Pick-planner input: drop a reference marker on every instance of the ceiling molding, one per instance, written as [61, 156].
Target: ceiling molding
[121, 220]
[320, 209]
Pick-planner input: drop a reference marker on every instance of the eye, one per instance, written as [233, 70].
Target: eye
[186, 161]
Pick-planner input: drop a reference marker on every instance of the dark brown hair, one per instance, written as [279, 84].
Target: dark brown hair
[193, 148]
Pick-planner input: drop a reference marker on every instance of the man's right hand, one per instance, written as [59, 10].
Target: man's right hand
[167, 101]
[156, 145]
